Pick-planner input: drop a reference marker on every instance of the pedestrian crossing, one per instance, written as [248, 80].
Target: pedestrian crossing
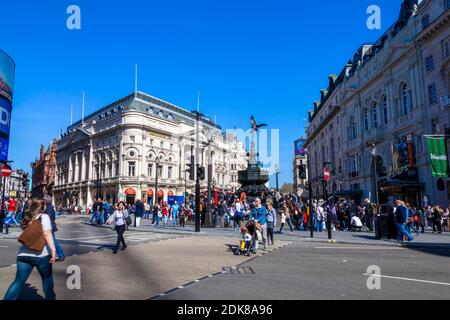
[132, 238]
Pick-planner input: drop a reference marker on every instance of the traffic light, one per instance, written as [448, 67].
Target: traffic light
[191, 169]
[302, 172]
[201, 173]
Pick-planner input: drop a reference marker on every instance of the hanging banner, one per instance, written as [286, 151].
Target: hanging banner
[438, 156]
[7, 68]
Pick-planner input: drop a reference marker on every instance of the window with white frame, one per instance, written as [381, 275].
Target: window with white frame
[169, 172]
[150, 170]
[366, 119]
[131, 168]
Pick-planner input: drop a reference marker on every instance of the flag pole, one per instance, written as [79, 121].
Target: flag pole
[82, 110]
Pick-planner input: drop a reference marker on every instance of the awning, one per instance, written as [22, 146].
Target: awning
[150, 192]
[160, 193]
[130, 192]
[170, 193]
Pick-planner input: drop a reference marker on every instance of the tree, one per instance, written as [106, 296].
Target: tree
[287, 188]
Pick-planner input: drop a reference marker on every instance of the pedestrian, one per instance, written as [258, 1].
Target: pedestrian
[165, 212]
[401, 213]
[259, 215]
[175, 209]
[118, 220]
[146, 211]
[28, 258]
[445, 218]
[286, 218]
[410, 225]
[437, 219]
[182, 214]
[156, 212]
[106, 210]
[370, 210]
[319, 216]
[12, 206]
[138, 213]
[271, 222]
[50, 211]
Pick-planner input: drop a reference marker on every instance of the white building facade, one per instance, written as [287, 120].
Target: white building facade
[372, 120]
[113, 153]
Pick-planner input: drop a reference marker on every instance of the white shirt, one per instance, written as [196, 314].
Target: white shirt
[356, 222]
[24, 251]
[120, 221]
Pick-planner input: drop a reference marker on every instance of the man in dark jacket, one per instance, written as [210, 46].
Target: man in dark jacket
[401, 213]
[50, 210]
[138, 213]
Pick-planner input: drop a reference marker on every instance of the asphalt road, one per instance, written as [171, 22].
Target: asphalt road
[78, 239]
[305, 270]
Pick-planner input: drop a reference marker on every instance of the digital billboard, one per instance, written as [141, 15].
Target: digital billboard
[7, 69]
[299, 147]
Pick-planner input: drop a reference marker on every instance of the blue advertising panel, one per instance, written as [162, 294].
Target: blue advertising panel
[7, 68]
[299, 147]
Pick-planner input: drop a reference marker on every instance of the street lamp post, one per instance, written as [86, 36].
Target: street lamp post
[277, 172]
[157, 165]
[310, 198]
[374, 158]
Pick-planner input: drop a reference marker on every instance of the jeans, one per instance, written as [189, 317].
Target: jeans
[288, 220]
[319, 225]
[411, 226]
[59, 250]
[401, 231]
[165, 219]
[369, 223]
[237, 222]
[264, 233]
[155, 219]
[24, 267]
[270, 227]
[120, 239]
[11, 214]
[174, 217]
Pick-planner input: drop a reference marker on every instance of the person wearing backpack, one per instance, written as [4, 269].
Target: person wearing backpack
[120, 219]
[37, 233]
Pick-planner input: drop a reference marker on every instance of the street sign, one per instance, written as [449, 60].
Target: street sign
[6, 170]
[326, 174]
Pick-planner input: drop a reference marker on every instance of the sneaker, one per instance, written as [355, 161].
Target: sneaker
[60, 259]
[114, 251]
[124, 247]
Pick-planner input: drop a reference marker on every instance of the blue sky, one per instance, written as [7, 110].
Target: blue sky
[261, 57]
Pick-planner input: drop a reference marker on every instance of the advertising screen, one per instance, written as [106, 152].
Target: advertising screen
[7, 68]
[299, 147]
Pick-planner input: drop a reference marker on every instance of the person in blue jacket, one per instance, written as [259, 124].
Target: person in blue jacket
[259, 215]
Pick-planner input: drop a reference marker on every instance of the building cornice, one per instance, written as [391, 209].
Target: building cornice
[441, 22]
[324, 123]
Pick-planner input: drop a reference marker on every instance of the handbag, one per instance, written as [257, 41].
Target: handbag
[128, 220]
[8, 220]
[33, 236]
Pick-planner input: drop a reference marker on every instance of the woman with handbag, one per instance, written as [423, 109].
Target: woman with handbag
[120, 219]
[38, 250]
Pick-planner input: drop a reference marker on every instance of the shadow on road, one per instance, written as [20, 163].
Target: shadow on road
[30, 293]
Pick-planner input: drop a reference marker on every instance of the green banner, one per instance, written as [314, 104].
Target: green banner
[438, 156]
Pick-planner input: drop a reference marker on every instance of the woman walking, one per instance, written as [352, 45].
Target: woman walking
[27, 258]
[119, 222]
[285, 217]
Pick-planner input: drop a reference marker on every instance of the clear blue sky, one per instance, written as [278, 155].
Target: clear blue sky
[267, 58]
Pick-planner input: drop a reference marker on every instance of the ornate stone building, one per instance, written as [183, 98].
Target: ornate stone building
[371, 121]
[43, 172]
[112, 153]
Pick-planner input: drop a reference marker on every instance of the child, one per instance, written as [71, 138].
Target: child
[246, 240]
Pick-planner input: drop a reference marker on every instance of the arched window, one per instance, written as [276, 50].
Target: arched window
[375, 115]
[385, 109]
[366, 119]
[352, 129]
[405, 99]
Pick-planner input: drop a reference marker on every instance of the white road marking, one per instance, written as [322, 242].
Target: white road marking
[362, 248]
[3, 246]
[407, 279]
[97, 237]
